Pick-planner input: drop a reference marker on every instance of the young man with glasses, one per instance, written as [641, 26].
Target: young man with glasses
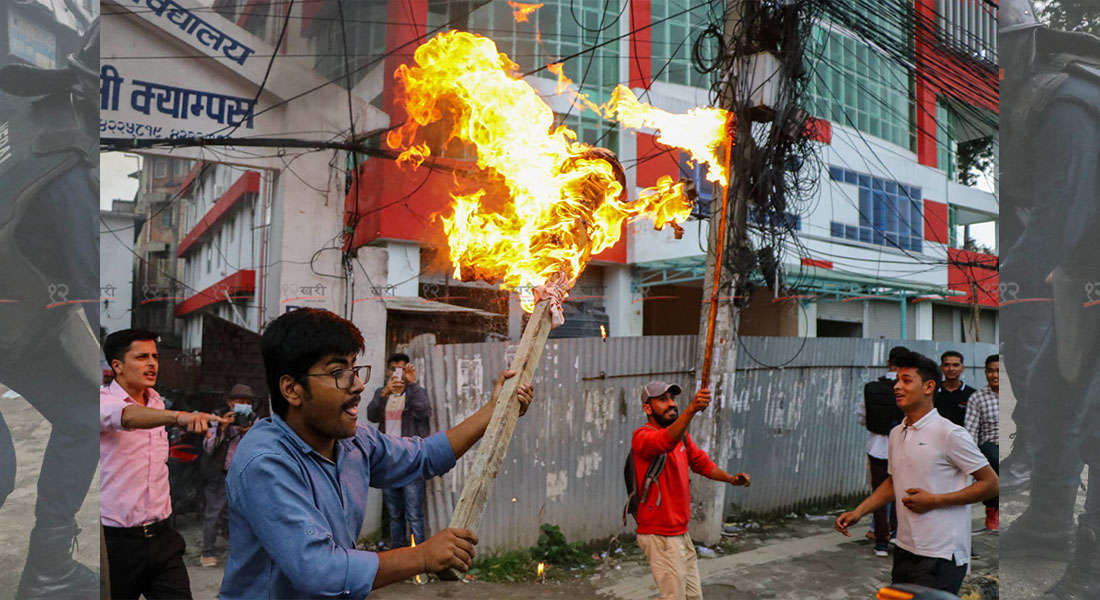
[931, 462]
[298, 484]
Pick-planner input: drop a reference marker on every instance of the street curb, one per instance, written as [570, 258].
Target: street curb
[980, 587]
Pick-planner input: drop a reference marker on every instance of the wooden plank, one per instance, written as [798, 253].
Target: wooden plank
[498, 435]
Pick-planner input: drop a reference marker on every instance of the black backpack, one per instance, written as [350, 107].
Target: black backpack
[882, 407]
[634, 497]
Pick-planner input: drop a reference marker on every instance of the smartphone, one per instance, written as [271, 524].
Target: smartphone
[398, 372]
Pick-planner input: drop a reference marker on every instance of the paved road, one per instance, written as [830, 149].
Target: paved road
[1024, 579]
[30, 432]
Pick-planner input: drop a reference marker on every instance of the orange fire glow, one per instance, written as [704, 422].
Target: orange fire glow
[417, 578]
[522, 11]
[566, 200]
[542, 568]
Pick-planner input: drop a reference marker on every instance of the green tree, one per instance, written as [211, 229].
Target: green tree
[1072, 15]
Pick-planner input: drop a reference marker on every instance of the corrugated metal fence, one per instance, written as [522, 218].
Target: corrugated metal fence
[792, 427]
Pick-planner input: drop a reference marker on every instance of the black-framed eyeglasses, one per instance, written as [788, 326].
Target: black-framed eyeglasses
[345, 378]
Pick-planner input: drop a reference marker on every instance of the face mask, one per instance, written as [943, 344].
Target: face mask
[245, 409]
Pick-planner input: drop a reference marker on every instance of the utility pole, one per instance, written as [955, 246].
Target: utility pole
[709, 429]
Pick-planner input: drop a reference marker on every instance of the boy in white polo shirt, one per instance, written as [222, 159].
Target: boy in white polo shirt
[931, 461]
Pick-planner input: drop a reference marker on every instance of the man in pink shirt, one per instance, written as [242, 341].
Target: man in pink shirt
[144, 553]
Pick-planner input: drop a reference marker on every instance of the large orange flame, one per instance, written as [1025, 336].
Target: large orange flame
[568, 200]
[700, 131]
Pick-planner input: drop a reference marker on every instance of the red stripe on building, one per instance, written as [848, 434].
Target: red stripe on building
[973, 273]
[813, 262]
[641, 54]
[654, 160]
[241, 282]
[191, 175]
[248, 183]
[936, 222]
[819, 130]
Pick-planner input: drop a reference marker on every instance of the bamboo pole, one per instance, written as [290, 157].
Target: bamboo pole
[498, 435]
[720, 245]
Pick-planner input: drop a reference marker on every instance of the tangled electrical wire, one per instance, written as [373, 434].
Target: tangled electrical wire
[779, 169]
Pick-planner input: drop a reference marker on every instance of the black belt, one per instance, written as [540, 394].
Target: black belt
[139, 531]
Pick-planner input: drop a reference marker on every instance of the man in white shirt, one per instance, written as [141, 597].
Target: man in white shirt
[931, 460]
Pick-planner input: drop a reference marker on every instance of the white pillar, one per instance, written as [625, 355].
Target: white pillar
[369, 315]
[403, 268]
[624, 314]
[922, 312]
[807, 319]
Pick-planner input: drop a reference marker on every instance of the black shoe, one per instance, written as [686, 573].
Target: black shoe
[1082, 578]
[1015, 469]
[51, 572]
[1045, 529]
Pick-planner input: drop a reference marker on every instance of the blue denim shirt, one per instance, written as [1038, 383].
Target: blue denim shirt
[294, 516]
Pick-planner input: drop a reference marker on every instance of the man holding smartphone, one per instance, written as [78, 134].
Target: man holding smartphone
[402, 408]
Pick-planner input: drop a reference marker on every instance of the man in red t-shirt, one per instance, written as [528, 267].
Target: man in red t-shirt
[664, 511]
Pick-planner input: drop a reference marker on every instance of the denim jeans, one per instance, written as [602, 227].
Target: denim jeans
[405, 506]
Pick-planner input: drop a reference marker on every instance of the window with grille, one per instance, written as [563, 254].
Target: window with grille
[672, 37]
[890, 212]
[364, 26]
[853, 84]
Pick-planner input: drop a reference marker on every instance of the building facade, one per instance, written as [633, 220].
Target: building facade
[157, 287]
[116, 254]
[883, 249]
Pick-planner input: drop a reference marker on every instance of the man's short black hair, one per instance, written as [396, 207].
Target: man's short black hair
[118, 343]
[926, 367]
[895, 352]
[397, 357]
[954, 353]
[295, 341]
[992, 358]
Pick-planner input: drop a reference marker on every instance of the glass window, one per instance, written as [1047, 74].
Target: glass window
[852, 84]
[364, 26]
[890, 213]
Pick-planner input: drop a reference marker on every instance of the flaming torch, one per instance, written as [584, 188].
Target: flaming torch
[564, 202]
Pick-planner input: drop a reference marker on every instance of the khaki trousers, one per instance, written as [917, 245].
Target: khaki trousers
[674, 565]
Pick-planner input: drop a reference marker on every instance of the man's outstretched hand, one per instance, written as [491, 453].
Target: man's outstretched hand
[741, 479]
[846, 520]
[449, 549]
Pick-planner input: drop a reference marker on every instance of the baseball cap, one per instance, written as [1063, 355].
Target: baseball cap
[658, 388]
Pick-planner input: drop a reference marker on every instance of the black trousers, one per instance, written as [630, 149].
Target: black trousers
[885, 524]
[992, 453]
[150, 566]
[935, 573]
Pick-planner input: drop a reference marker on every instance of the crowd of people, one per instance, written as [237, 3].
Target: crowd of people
[293, 487]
